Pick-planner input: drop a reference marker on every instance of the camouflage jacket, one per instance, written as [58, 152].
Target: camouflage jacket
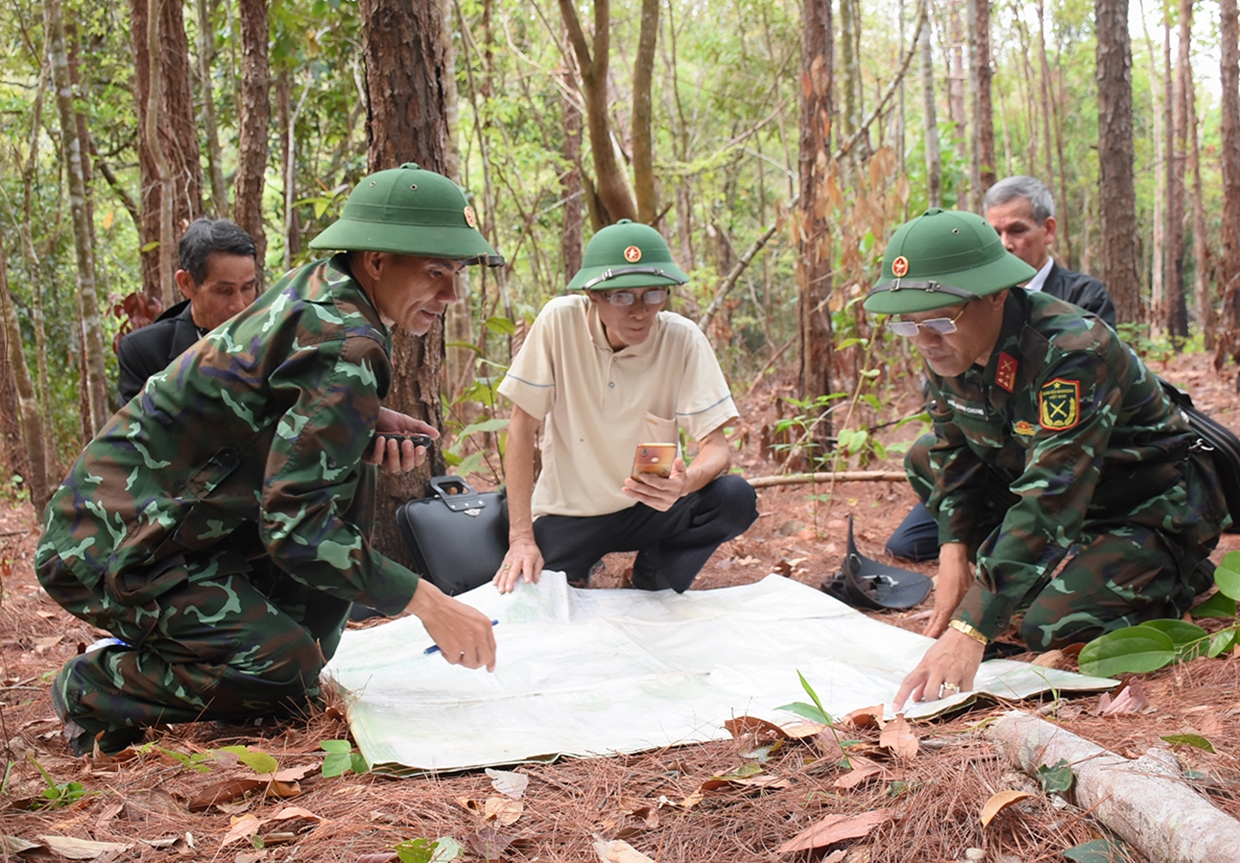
[250, 442]
[1069, 421]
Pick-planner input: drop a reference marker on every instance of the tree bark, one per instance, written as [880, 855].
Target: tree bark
[1201, 257]
[570, 185]
[29, 416]
[254, 118]
[1157, 244]
[814, 262]
[643, 138]
[168, 155]
[206, 53]
[985, 121]
[96, 413]
[593, 58]
[1116, 192]
[1229, 336]
[407, 122]
[1175, 312]
[458, 321]
[934, 164]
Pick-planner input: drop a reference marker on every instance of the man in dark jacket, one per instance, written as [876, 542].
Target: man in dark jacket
[218, 278]
[1022, 211]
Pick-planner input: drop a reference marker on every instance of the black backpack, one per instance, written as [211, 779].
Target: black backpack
[1216, 441]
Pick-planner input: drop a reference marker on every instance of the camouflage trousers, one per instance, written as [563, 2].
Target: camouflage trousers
[1117, 575]
[227, 646]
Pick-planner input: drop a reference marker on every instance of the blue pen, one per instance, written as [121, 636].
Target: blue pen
[434, 648]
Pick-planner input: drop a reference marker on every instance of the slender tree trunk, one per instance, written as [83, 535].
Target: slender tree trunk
[643, 138]
[29, 416]
[983, 125]
[458, 321]
[1201, 256]
[934, 165]
[1229, 337]
[1116, 192]
[1045, 85]
[91, 323]
[956, 79]
[407, 122]
[593, 58]
[168, 154]
[1157, 244]
[571, 188]
[1176, 310]
[815, 260]
[850, 70]
[254, 119]
[206, 53]
[288, 114]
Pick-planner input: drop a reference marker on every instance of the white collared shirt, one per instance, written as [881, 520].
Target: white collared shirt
[1036, 283]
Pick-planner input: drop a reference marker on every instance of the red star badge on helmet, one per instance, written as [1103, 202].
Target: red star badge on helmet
[469, 217]
[899, 267]
[632, 254]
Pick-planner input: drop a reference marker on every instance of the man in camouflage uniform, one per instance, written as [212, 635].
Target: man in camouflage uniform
[257, 443]
[1057, 462]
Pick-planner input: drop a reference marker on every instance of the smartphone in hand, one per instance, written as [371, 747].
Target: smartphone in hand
[417, 439]
[654, 458]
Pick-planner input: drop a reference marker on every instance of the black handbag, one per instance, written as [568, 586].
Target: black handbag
[1217, 442]
[457, 538]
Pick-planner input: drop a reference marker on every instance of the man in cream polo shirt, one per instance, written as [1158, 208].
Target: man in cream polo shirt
[602, 372]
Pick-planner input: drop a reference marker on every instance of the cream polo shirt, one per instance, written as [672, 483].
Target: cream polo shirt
[598, 404]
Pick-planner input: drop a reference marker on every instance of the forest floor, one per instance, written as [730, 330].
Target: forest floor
[151, 805]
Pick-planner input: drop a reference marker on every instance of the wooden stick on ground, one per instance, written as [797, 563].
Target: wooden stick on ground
[1146, 802]
[837, 476]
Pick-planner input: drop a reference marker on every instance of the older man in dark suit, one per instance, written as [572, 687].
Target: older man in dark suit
[218, 278]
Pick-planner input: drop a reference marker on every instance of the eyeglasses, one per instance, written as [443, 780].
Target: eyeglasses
[938, 326]
[652, 297]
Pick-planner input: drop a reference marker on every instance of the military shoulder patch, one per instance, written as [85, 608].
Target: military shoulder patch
[1005, 372]
[1059, 404]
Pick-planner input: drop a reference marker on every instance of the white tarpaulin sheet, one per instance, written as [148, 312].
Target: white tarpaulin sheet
[595, 672]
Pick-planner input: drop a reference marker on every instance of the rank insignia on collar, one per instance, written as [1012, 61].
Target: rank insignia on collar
[1005, 374]
[1023, 427]
[1059, 404]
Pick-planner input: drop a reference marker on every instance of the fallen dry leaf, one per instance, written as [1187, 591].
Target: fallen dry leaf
[753, 725]
[84, 849]
[898, 737]
[502, 810]
[1000, 801]
[16, 845]
[1130, 699]
[802, 729]
[288, 820]
[1049, 659]
[243, 828]
[488, 843]
[508, 783]
[836, 828]
[862, 770]
[619, 851]
[223, 792]
[866, 717]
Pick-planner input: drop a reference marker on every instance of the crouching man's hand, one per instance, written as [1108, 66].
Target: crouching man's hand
[464, 634]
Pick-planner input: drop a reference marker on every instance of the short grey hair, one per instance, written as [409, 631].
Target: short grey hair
[1034, 191]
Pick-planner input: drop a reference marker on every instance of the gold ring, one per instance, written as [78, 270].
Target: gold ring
[506, 566]
[950, 687]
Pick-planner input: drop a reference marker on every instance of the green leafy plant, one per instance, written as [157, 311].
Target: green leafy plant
[341, 759]
[1156, 644]
[57, 793]
[817, 713]
[1056, 778]
[199, 762]
[441, 850]
[258, 761]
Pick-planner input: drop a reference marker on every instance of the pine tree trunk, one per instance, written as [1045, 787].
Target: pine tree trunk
[206, 53]
[95, 381]
[1201, 256]
[934, 165]
[254, 118]
[1157, 245]
[168, 155]
[814, 263]
[570, 185]
[643, 138]
[983, 110]
[1229, 336]
[1116, 194]
[955, 80]
[1176, 310]
[458, 321]
[407, 122]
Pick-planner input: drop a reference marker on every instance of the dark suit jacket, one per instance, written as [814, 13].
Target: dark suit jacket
[1080, 290]
[149, 349]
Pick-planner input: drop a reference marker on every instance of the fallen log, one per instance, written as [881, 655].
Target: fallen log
[830, 476]
[1145, 802]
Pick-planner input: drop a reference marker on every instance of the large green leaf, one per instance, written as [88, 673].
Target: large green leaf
[1190, 640]
[1227, 575]
[1194, 740]
[1222, 641]
[1134, 650]
[1099, 851]
[1219, 605]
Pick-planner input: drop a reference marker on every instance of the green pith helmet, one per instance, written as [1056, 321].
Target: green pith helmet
[942, 258]
[409, 211]
[626, 255]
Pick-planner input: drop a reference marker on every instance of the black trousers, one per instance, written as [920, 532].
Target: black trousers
[672, 547]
